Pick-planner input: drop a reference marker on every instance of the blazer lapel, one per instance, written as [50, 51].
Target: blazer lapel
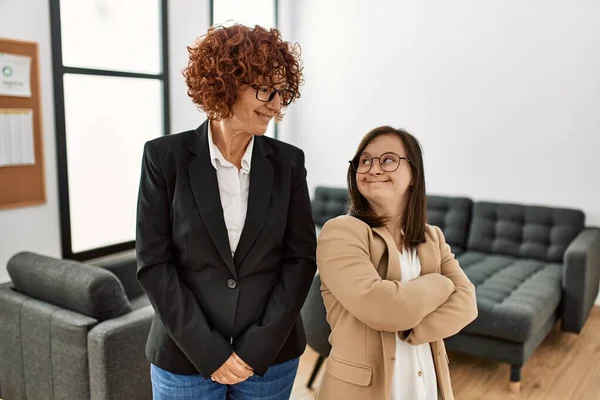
[259, 196]
[425, 251]
[393, 273]
[393, 268]
[427, 257]
[205, 187]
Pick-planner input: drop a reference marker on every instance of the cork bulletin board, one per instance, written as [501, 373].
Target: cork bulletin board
[21, 148]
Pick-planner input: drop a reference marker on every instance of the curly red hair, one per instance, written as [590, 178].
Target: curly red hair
[227, 57]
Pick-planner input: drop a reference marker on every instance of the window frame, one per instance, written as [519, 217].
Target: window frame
[59, 71]
[275, 19]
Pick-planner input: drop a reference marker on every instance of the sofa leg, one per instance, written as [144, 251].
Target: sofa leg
[315, 371]
[515, 378]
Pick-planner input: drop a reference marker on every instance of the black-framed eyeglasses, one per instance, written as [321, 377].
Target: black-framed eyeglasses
[389, 162]
[266, 94]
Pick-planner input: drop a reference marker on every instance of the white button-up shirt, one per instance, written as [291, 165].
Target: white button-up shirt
[234, 187]
[414, 372]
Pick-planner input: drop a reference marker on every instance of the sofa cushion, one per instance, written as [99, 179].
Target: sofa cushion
[327, 203]
[452, 215]
[82, 288]
[515, 296]
[124, 266]
[534, 232]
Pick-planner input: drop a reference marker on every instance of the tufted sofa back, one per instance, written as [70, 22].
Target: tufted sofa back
[534, 232]
[452, 215]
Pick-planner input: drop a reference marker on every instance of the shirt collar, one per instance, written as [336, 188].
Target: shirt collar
[217, 156]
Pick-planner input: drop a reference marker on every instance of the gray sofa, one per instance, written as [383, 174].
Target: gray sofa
[532, 267]
[71, 330]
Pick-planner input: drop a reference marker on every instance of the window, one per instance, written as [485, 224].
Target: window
[249, 13]
[110, 88]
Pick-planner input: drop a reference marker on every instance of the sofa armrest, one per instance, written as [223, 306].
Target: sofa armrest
[581, 279]
[124, 266]
[43, 349]
[118, 366]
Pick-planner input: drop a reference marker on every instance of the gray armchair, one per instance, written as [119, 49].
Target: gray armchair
[70, 330]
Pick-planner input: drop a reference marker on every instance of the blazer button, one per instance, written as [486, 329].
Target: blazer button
[232, 284]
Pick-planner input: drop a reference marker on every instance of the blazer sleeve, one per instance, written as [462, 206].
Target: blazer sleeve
[457, 312]
[171, 299]
[261, 342]
[348, 273]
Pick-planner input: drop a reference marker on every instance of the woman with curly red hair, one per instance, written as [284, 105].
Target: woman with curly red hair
[225, 236]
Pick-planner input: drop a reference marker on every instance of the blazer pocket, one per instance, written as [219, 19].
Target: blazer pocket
[349, 372]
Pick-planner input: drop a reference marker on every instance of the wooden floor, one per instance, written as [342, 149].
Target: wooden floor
[564, 367]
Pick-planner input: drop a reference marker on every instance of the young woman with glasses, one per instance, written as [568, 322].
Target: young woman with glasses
[391, 286]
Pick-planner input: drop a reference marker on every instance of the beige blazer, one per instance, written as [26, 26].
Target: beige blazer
[367, 304]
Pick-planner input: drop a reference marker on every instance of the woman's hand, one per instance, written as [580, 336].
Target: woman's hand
[233, 371]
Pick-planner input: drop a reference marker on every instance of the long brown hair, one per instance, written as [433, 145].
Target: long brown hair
[415, 215]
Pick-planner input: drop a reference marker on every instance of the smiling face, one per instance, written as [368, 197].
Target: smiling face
[251, 115]
[392, 196]
[385, 190]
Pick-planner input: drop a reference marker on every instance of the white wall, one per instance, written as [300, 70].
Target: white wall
[504, 95]
[33, 228]
[37, 229]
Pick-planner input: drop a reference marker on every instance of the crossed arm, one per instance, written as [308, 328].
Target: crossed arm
[425, 309]
[456, 312]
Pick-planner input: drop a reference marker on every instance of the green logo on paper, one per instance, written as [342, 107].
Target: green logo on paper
[7, 71]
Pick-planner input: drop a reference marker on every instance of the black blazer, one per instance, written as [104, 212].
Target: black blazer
[209, 304]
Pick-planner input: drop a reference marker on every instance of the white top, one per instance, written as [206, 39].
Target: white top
[414, 372]
[234, 186]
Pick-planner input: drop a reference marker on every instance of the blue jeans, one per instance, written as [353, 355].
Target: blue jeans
[276, 384]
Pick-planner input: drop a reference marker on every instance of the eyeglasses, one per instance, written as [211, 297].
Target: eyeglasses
[389, 162]
[266, 94]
